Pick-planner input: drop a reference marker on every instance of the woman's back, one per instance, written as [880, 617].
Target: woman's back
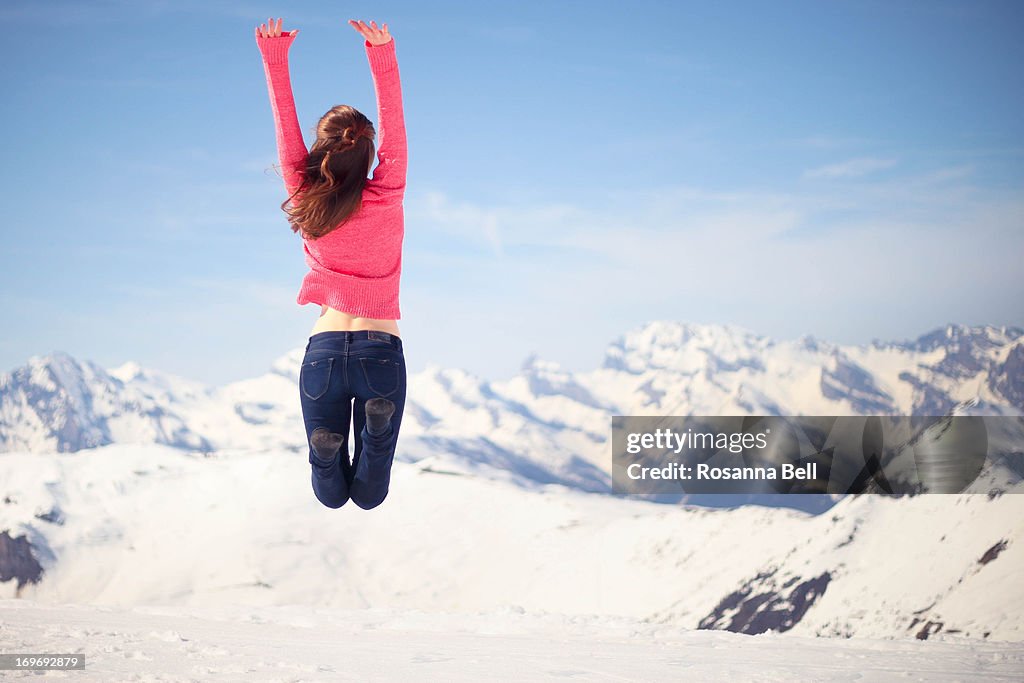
[355, 268]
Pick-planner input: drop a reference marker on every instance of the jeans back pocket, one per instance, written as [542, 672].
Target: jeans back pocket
[315, 377]
[382, 375]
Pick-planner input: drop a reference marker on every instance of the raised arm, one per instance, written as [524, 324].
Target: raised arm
[291, 149]
[392, 153]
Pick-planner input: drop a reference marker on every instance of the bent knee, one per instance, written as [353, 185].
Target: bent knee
[333, 503]
[370, 503]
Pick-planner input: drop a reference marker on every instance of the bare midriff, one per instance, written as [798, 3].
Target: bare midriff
[331, 319]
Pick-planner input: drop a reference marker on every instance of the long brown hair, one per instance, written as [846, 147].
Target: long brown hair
[335, 173]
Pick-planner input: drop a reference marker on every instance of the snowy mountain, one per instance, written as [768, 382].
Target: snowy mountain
[130, 487]
[545, 423]
[58, 403]
[726, 370]
[127, 525]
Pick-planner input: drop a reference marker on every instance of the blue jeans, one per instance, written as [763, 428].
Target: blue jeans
[340, 372]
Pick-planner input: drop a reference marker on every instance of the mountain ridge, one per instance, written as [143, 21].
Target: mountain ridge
[550, 423]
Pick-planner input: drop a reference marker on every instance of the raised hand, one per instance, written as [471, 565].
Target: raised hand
[272, 29]
[373, 35]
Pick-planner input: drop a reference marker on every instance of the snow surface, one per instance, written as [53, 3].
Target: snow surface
[172, 566]
[318, 644]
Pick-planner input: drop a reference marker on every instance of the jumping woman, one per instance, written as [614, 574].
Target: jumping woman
[353, 373]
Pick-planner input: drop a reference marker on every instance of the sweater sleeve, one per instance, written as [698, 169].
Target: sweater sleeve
[291, 149]
[391, 143]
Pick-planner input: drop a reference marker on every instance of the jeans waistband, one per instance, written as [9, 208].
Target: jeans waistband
[333, 337]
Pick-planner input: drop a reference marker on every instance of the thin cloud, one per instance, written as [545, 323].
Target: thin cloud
[636, 227]
[853, 168]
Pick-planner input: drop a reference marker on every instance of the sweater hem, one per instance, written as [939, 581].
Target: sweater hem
[363, 297]
[323, 299]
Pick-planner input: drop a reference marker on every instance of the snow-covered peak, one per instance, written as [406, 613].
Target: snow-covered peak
[953, 335]
[685, 347]
[127, 371]
[288, 364]
[58, 403]
[539, 378]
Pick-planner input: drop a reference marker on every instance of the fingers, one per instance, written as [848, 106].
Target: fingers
[362, 28]
[373, 33]
[272, 29]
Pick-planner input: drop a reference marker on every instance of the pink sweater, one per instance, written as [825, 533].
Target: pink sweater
[355, 268]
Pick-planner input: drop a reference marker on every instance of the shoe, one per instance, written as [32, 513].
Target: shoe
[326, 443]
[378, 415]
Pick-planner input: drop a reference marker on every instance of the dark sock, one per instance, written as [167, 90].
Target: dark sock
[378, 415]
[326, 443]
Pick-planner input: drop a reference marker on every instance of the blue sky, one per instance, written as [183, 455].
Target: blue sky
[847, 169]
